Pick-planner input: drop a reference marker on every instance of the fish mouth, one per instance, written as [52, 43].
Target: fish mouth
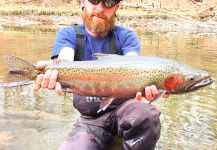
[199, 84]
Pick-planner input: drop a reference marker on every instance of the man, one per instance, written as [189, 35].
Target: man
[137, 122]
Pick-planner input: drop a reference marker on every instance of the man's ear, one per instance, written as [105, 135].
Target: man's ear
[117, 6]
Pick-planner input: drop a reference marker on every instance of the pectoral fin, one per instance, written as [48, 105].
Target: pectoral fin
[105, 104]
[161, 94]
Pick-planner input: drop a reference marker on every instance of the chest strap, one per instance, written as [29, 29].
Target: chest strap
[80, 47]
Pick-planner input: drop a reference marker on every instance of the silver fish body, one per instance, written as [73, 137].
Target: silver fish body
[115, 76]
[123, 76]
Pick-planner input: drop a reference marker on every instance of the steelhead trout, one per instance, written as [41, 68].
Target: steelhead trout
[115, 76]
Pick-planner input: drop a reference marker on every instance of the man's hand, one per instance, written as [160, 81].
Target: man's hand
[47, 80]
[151, 92]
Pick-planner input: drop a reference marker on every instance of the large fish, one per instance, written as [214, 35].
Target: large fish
[114, 76]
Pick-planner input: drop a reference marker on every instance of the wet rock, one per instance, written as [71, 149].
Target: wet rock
[208, 13]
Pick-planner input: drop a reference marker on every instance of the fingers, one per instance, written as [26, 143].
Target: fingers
[46, 79]
[58, 88]
[37, 83]
[42, 64]
[53, 78]
[151, 92]
[138, 96]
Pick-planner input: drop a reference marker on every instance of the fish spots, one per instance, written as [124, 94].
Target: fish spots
[96, 77]
[93, 91]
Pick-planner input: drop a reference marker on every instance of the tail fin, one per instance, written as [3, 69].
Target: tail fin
[20, 72]
[13, 80]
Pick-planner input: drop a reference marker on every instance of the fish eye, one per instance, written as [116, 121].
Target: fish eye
[190, 78]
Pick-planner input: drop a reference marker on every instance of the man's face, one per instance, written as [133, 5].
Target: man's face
[97, 18]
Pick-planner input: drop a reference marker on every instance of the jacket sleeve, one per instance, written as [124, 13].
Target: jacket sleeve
[66, 37]
[127, 41]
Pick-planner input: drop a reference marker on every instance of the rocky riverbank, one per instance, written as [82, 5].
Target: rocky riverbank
[139, 17]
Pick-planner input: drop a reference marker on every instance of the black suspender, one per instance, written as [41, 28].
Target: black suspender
[79, 51]
[112, 44]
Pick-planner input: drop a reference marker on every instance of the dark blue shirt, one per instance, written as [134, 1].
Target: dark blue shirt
[126, 41]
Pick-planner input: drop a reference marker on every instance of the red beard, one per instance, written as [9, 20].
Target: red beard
[96, 26]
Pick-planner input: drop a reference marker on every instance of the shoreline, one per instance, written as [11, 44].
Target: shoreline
[40, 19]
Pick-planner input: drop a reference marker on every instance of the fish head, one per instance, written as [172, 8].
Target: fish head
[186, 79]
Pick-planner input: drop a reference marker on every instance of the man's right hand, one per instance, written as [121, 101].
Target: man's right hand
[47, 80]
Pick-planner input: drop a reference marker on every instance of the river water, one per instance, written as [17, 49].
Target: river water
[39, 120]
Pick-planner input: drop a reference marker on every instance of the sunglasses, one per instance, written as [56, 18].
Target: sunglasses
[106, 3]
